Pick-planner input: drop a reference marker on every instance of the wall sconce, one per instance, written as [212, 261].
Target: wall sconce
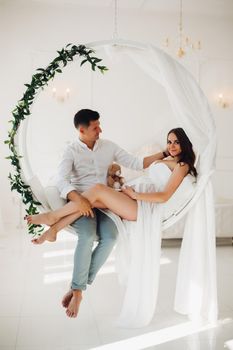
[60, 95]
[222, 101]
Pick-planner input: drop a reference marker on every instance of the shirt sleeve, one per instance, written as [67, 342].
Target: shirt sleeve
[128, 160]
[64, 173]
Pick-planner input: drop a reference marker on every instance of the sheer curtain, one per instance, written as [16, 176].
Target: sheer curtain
[196, 291]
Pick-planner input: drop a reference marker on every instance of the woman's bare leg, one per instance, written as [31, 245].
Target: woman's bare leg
[101, 196]
[51, 234]
[52, 217]
[106, 197]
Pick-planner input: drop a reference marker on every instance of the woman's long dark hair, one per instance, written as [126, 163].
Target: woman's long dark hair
[187, 155]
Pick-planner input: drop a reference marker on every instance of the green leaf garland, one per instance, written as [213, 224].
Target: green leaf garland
[22, 111]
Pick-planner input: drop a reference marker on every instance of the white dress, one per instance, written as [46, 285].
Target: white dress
[139, 247]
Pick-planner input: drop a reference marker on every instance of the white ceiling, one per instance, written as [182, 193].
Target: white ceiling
[207, 7]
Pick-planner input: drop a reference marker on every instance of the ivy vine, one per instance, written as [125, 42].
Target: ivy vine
[23, 110]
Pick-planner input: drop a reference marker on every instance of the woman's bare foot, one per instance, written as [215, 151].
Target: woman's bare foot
[46, 218]
[49, 235]
[67, 298]
[73, 307]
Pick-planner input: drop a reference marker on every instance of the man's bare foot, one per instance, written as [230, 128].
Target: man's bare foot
[49, 235]
[46, 218]
[73, 307]
[67, 298]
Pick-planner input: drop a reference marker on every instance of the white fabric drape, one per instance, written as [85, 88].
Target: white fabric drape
[143, 266]
[196, 293]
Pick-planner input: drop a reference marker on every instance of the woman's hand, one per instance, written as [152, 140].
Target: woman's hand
[129, 191]
[166, 153]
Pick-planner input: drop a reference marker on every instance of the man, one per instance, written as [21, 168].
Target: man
[84, 164]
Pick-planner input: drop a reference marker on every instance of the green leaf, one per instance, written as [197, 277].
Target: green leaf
[84, 61]
[96, 60]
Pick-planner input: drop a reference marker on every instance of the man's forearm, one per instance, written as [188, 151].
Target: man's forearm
[74, 196]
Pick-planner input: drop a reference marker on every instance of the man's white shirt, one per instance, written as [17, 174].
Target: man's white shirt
[81, 167]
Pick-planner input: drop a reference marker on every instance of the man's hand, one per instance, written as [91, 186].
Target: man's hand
[84, 205]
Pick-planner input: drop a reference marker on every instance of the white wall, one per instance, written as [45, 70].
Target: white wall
[31, 33]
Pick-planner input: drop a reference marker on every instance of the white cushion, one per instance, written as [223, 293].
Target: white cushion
[142, 152]
[53, 197]
[38, 191]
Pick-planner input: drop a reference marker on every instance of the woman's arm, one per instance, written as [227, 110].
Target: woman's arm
[177, 176]
[147, 161]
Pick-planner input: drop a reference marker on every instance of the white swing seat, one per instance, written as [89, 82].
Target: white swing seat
[50, 199]
[172, 223]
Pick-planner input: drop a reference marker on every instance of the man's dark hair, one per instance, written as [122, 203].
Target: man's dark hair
[84, 117]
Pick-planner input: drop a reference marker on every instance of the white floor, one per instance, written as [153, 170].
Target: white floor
[34, 278]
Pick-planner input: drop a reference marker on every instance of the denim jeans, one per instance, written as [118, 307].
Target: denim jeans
[88, 261]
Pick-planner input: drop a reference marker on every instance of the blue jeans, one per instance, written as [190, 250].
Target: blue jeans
[87, 261]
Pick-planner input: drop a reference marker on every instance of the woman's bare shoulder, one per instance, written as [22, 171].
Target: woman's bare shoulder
[182, 168]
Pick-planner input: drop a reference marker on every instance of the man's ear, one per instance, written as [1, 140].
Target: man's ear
[81, 129]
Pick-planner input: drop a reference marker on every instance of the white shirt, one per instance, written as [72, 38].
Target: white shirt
[82, 167]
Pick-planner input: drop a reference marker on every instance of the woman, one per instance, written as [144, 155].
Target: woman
[124, 204]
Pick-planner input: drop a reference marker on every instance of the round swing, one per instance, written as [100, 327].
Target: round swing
[194, 117]
[196, 281]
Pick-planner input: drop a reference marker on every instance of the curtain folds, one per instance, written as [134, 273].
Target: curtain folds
[196, 291]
